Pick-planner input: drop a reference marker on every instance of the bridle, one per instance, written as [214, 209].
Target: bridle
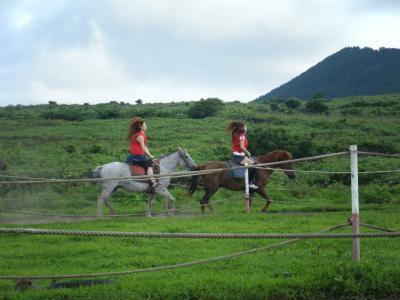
[183, 154]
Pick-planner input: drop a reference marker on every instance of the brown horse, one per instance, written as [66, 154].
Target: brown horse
[213, 181]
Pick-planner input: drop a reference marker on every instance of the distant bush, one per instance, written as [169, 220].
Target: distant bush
[378, 147]
[264, 141]
[108, 113]
[94, 149]
[351, 111]
[70, 149]
[63, 114]
[316, 106]
[293, 103]
[274, 106]
[205, 108]
[376, 193]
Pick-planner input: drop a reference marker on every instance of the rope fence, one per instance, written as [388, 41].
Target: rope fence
[168, 267]
[172, 174]
[197, 235]
[89, 168]
[266, 166]
[388, 233]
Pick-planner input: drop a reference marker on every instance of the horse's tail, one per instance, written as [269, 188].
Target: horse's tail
[96, 172]
[195, 179]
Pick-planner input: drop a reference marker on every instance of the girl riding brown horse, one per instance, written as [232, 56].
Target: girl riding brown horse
[240, 153]
[213, 181]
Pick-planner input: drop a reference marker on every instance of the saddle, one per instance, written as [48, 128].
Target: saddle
[237, 172]
[137, 170]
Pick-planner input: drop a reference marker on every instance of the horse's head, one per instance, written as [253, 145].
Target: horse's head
[277, 156]
[186, 160]
[287, 167]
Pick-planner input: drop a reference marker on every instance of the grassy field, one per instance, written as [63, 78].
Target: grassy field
[33, 146]
[308, 269]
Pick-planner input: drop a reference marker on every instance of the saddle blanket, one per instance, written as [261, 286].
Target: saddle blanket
[139, 170]
[236, 173]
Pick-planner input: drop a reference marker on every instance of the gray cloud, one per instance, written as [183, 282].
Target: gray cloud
[175, 50]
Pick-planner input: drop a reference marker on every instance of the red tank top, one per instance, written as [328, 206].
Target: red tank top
[236, 142]
[136, 149]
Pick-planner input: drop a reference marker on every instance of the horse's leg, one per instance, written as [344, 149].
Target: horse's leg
[105, 194]
[149, 203]
[268, 200]
[108, 204]
[166, 203]
[211, 209]
[251, 197]
[206, 200]
[168, 197]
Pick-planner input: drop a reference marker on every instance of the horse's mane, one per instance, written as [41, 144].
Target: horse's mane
[276, 155]
[164, 155]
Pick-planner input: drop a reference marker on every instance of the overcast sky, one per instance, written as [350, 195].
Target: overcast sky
[176, 50]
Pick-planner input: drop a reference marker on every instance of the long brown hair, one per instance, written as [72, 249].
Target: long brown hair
[135, 126]
[235, 127]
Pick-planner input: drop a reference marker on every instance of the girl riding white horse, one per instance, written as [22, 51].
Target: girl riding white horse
[168, 164]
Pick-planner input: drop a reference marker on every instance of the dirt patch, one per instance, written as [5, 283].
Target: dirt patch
[32, 219]
[42, 220]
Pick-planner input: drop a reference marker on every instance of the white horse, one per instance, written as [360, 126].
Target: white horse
[168, 164]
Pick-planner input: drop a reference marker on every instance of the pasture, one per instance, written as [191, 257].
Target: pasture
[308, 269]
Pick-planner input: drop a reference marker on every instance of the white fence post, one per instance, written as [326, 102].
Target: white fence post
[247, 193]
[355, 220]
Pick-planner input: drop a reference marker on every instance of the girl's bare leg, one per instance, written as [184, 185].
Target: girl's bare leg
[150, 172]
[248, 161]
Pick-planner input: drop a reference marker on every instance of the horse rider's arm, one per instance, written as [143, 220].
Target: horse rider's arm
[242, 147]
[144, 148]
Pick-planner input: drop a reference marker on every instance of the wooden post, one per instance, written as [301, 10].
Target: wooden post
[355, 220]
[247, 193]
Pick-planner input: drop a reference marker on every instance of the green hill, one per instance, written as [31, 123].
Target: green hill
[350, 72]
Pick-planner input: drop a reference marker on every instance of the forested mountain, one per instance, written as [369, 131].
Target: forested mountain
[350, 72]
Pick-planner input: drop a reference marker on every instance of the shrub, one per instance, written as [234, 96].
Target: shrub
[64, 114]
[94, 149]
[205, 108]
[377, 147]
[316, 106]
[293, 103]
[274, 106]
[70, 149]
[263, 141]
[108, 113]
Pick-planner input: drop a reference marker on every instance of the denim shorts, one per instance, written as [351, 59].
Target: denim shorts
[238, 158]
[139, 160]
